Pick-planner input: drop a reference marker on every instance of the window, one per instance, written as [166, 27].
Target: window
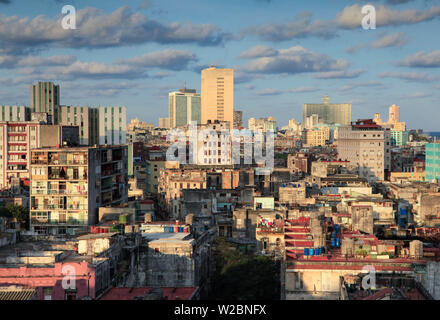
[70, 294]
[47, 293]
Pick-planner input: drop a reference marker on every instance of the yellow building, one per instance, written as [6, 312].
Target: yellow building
[217, 95]
[316, 136]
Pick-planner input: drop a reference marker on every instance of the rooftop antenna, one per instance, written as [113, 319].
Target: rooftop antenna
[184, 85]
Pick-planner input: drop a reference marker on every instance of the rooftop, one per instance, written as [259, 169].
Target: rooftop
[133, 293]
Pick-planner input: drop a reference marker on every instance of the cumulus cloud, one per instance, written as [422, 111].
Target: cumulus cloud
[33, 61]
[68, 67]
[422, 59]
[170, 59]
[268, 92]
[244, 77]
[8, 61]
[301, 26]
[396, 39]
[303, 90]
[95, 70]
[343, 74]
[97, 29]
[258, 52]
[356, 85]
[410, 76]
[295, 60]
[351, 17]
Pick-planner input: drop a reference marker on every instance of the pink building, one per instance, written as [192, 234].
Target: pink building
[91, 279]
[17, 139]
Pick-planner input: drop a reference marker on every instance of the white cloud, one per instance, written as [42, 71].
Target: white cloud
[356, 85]
[97, 29]
[396, 39]
[303, 90]
[422, 59]
[167, 59]
[258, 52]
[410, 76]
[344, 74]
[268, 92]
[351, 17]
[295, 60]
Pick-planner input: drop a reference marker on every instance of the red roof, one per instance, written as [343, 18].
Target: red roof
[330, 266]
[380, 294]
[130, 293]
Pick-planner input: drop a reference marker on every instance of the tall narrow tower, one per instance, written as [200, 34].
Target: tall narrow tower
[394, 116]
[45, 97]
[217, 95]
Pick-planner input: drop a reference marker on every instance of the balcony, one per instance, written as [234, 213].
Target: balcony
[67, 162]
[52, 176]
[264, 229]
[39, 220]
[69, 222]
[67, 192]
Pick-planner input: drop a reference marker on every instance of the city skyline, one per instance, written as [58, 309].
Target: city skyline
[284, 55]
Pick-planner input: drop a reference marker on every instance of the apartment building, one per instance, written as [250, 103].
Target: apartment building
[399, 138]
[112, 125]
[367, 146]
[15, 113]
[68, 185]
[318, 136]
[153, 169]
[45, 97]
[100, 126]
[16, 141]
[85, 118]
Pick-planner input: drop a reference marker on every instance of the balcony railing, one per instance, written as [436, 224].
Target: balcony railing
[66, 162]
[58, 222]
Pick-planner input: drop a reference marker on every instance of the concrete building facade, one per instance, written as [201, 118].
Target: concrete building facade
[45, 97]
[15, 113]
[217, 95]
[329, 113]
[432, 163]
[367, 146]
[184, 107]
[68, 185]
[16, 141]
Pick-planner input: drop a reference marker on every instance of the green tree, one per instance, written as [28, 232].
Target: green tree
[19, 213]
[241, 276]
[4, 212]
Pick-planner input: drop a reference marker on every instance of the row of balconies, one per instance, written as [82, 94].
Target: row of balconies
[60, 207]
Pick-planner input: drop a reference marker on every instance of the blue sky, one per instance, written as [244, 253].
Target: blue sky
[284, 53]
